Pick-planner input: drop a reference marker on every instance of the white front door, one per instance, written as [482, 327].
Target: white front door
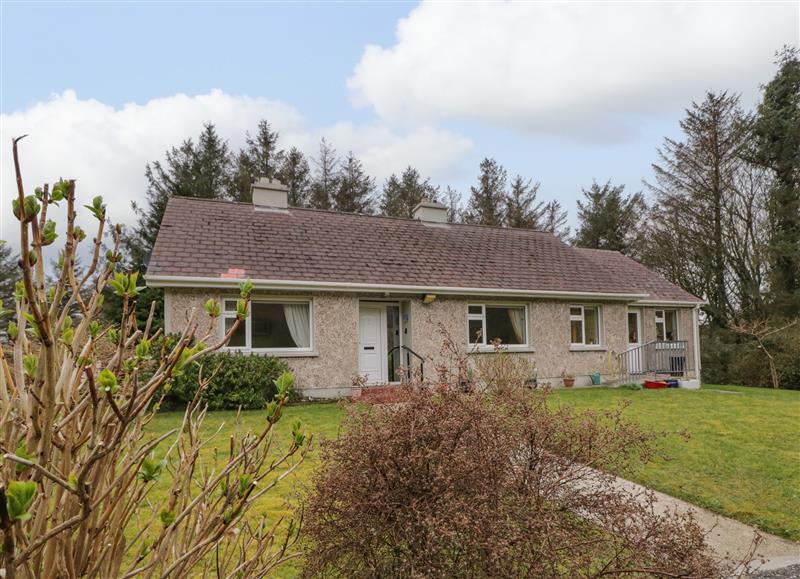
[635, 354]
[372, 343]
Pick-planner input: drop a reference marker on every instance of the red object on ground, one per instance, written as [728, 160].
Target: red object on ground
[654, 384]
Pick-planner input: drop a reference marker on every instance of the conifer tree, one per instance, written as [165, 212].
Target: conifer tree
[354, 190]
[259, 158]
[554, 220]
[487, 199]
[294, 172]
[402, 194]
[522, 209]
[452, 198]
[777, 132]
[696, 182]
[326, 177]
[610, 220]
[9, 273]
[201, 170]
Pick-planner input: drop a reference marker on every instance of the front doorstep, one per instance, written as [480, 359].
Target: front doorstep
[387, 393]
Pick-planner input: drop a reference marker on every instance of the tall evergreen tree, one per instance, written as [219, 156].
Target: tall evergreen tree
[522, 209]
[190, 170]
[295, 173]
[554, 220]
[695, 182]
[355, 188]
[8, 277]
[777, 132]
[609, 220]
[452, 199]
[487, 200]
[259, 158]
[402, 194]
[326, 177]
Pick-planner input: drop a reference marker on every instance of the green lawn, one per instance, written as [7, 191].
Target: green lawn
[742, 458]
[322, 420]
[743, 455]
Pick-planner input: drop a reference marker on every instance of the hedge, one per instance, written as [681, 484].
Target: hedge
[242, 381]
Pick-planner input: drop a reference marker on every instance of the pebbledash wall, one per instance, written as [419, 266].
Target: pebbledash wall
[329, 370]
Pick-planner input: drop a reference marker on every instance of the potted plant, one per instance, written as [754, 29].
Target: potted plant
[567, 378]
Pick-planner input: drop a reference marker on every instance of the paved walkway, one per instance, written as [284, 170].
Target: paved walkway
[728, 537]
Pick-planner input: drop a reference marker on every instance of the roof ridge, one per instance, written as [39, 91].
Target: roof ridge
[366, 215]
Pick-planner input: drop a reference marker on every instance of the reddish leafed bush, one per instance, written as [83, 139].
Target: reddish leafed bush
[466, 485]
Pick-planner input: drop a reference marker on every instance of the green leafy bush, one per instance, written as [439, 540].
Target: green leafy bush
[241, 381]
[630, 386]
[730, 359]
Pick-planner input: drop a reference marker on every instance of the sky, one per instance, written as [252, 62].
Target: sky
[561, 93]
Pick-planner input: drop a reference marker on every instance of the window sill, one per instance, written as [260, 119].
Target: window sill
[509, 349]
[578, 348]
[276, 353]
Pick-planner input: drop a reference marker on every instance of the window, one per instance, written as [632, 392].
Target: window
[270, 326]
[584, 324]
[666, 325]
[494, 322]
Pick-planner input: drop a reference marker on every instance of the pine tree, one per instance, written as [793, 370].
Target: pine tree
[695, 183]
[294, 172]
[554, 220]
[260, 158]
[211, 170]
[354, 189]
[201, 170]
[522, 210]
[487, 199]
[777, 133]
[326, 177]
[453, 201]
[402, 194]
[9, 273]
[609, 220]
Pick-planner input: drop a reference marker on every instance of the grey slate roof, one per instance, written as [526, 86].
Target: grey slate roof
[218, 239]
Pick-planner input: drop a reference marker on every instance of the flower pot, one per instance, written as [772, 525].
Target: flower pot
[568, 382]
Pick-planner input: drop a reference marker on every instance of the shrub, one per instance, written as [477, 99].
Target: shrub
[79, 470]
[236, 380]
[469, 485]
[732, 359]
[630, 386]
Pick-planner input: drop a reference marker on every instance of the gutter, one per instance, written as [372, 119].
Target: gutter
[164, 281]
[667, 303]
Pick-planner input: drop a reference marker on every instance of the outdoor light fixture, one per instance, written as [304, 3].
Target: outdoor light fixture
[429, 298]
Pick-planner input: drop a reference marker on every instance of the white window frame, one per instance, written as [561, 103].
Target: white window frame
[582, 345]
[662, 320]
[248, 326]
[483, 345]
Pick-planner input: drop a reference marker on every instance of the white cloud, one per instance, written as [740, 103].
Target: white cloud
[106, 148]
[569, 68]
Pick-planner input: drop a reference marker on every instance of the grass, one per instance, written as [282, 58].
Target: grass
[743, 455]
[742, 458]
[321, 420]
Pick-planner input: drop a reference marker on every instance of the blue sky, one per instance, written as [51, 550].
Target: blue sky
[561, 93]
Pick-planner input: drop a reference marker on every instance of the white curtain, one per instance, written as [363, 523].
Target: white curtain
[517, 317]
[298, 320]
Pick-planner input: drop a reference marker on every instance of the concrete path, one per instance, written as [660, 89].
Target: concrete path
[728, 537]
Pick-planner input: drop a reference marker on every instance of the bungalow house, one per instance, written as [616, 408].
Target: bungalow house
[343, 295]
